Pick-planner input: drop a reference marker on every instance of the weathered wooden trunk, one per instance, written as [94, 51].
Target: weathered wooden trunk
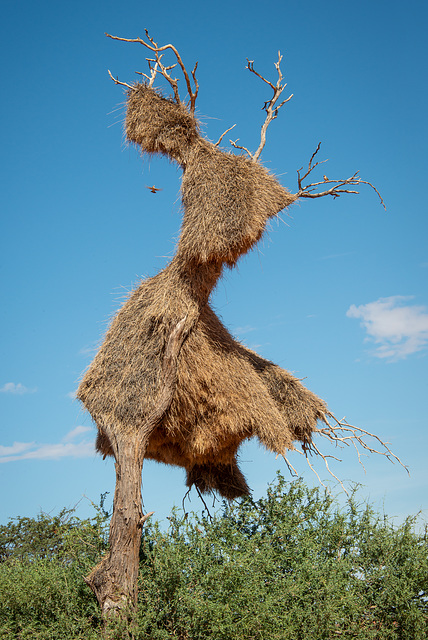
[114, 579]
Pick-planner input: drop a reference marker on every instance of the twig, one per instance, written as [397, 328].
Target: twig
[356, 435]
[117, 81]
[153, 72]
[269, 106]
[291, 469]
[318, 452]
[223, 134]
[310, 190]
[163, 70]
[341, 433]
[237, 146]
[184, 498]
[146, 517]
[204, 503]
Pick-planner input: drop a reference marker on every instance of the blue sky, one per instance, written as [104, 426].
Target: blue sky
[337, 290]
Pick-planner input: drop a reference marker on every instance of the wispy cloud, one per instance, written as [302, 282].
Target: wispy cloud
[398, 328]
[71, 446]
[240, 331]
[16, 447]
[15, 388]
[75, 433]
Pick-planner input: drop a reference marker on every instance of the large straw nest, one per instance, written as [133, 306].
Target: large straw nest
[224, 394]
[227, 199]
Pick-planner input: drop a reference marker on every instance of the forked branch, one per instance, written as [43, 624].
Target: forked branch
[156, 66]
[313, 189]
[318, 189]
[341, 434]
[270, 106]
[335, 189]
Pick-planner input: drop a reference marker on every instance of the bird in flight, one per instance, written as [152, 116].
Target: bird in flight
[153, 189]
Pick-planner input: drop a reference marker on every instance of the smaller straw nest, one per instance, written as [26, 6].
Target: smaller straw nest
[157, 124]
[227, 202]
[227, 199]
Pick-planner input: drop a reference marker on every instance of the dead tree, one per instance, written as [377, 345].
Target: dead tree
[169, 382]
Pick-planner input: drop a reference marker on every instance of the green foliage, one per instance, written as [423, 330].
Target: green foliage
[42, 562]
[290, 566]
[63, 536]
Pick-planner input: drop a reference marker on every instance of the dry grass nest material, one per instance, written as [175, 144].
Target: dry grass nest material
[224, 392]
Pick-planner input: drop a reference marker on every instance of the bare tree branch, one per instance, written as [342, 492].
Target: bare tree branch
[335, 188]
[163, 70]
[341, 433]
[291, 469]
[310, 190]
[269, 106]
[153, 72]
[144, 518]
[223, 134]
[117, 81]
[237, 146]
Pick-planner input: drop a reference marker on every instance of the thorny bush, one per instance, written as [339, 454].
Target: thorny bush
[293, 565]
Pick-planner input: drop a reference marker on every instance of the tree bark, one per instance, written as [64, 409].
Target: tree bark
[114, 579]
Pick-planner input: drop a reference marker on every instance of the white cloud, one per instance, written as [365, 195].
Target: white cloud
[399, 329]
[16, 447]
[65, 449]
[17, 389]
[77, 431]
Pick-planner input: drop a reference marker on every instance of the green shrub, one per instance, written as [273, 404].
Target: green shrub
[291, 566]
[42, 561]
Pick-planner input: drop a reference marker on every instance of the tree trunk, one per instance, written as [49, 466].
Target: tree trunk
[114, 579]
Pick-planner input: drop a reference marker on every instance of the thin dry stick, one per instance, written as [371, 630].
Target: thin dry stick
[291, 469]
[117, 81]
[235, 144]
[223, 134]
[309, 190]
[304, 191]
[270, 106]
[153, 72]
[352, 434]
[153, 46]
[204, 503]
[184, 498]
[146, 517]
[341, 433]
